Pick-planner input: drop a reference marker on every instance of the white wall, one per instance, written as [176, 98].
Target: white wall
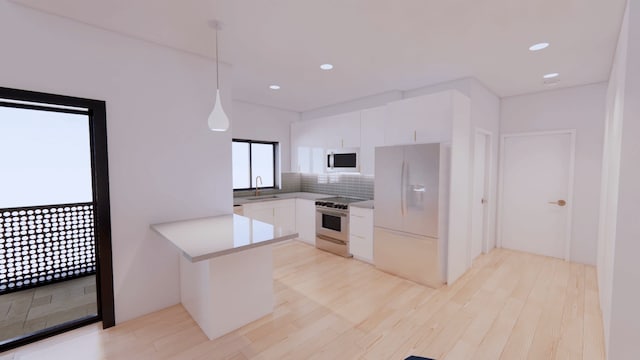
[581, 108]
[619, 247]
[611, 179]
[164, 163]
[257, 122]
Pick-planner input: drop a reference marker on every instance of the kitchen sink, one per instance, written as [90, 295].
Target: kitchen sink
[263, 197]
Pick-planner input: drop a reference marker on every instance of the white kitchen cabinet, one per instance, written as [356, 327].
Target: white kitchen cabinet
[306, 220]
[422, 119]
[285, 214]
[344, 130]
[281, 213]
[308, 147]
[261, 211]
[361, 233]
[372, 122]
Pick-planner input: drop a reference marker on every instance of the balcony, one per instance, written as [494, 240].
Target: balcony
[42, 245]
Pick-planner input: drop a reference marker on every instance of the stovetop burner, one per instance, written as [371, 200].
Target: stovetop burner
[338, 202]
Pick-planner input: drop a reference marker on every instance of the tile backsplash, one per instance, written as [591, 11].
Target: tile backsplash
[290, 182]
[343, 184]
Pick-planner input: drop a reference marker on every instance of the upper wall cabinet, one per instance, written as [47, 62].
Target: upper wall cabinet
[423, 119]
[308, 146]
[343, 130]
[311, 139]
[372, 122]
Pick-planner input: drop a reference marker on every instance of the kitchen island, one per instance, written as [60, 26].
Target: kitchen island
[225, 269]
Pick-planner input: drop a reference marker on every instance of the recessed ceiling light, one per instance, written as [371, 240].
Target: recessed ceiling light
[274, 87]
[551, 82]
[551, 75]
[539, 46]
[326, 66]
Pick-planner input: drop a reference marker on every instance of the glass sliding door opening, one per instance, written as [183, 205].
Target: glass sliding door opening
[48, 214]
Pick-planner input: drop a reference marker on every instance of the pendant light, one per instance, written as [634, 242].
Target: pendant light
[218, 120]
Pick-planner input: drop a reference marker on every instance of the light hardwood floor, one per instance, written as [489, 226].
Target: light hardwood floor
[510, 305]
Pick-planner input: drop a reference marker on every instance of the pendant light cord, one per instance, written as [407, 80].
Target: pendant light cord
[217, 74]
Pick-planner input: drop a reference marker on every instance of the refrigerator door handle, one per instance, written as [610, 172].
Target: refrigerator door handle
[402, 190]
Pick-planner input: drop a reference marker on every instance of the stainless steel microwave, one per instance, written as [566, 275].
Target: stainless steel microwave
[346, 160]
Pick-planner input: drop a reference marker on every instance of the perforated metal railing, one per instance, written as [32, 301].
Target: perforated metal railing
[45, 244]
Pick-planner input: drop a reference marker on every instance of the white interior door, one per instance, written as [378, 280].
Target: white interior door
[479, 217]
[536, 188]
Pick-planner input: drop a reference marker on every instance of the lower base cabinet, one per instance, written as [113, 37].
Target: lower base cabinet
[281, 213]
[361, 233]
[306, 220]
[292, 214]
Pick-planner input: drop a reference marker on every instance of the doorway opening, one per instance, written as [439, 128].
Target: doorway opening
[55, 229]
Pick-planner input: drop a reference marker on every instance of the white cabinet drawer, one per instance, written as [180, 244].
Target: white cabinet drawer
[360, 212]
[361, 221]
[361, 233]
[361, 248]
[360, 226]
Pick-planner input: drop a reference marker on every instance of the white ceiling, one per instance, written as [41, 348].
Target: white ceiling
[375, 45]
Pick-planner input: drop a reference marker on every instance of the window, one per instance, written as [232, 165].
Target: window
[253, 159]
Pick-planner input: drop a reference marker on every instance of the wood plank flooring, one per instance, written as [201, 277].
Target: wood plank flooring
[510, 305]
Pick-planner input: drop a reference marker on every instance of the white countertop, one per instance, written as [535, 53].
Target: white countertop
[367, 204]
[280, 196]
[206, 238]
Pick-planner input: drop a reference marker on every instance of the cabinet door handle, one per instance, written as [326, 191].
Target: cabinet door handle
[415, 135]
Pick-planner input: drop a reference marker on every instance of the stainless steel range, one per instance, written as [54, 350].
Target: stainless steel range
[332, 225]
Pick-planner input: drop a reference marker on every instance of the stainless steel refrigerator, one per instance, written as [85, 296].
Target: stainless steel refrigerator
[411, 211]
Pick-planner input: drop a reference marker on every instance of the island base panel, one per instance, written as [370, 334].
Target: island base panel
[227, 292]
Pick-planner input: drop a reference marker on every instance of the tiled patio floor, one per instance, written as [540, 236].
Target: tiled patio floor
[26, 311]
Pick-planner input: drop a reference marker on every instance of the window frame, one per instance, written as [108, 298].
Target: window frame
[275, 145]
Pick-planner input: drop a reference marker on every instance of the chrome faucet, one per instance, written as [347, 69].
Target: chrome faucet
[258, 189]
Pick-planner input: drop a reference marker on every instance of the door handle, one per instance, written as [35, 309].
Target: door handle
[402, 189]
[559, 202]
[483, 201]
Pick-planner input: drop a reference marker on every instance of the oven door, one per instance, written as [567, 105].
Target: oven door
[333, 224]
